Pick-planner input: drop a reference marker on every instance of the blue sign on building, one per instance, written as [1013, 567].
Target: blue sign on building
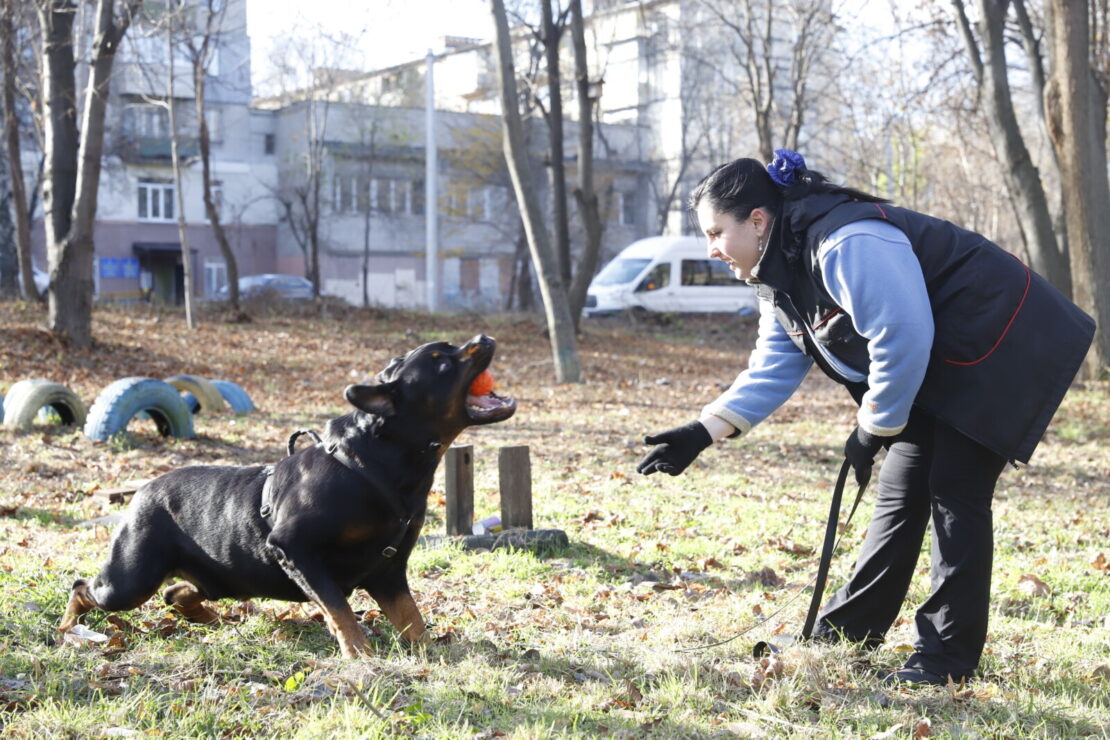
[119, 267]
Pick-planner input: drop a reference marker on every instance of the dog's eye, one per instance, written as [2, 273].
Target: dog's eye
[443, 366]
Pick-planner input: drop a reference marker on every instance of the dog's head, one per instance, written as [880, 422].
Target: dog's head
[428, 389]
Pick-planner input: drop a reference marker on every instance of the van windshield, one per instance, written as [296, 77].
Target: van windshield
[621, 271]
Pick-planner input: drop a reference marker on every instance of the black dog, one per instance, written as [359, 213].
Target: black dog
[340, 515]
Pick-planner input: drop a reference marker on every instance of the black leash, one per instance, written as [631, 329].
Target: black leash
[828, 547]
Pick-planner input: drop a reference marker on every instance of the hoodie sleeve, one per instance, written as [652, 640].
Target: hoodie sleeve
[776, 368]
[871, 271]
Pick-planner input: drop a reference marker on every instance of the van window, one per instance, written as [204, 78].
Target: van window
[659, 277]
[621, 271]
[707, 273]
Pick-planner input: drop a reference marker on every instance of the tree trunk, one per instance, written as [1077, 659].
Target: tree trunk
[1022, 179]
[71, 183]
[204, 143]
[551, 36]
[1075, 105]
[584, 193]
[9, 260]
[175, 161]
[15, 160]
[564, 346]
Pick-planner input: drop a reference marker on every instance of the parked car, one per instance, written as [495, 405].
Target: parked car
[287, 287]
[668, 273]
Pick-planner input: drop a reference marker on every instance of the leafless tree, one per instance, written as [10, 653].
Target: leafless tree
[73, 155]
[986, 49]
[13, 72]
[1075, 105]
[564, 345]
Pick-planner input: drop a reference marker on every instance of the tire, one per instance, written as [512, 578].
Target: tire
[123, 399]
[26, 397]
[210, 400]
[235, 396]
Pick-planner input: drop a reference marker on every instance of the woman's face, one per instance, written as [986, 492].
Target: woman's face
[736, 243]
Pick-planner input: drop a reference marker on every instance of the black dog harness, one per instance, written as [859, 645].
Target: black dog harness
[405, 517]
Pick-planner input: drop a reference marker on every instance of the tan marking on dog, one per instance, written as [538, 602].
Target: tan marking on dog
[189, 602]
[80, 601]
[405, 617]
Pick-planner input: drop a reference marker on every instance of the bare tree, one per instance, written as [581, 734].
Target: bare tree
[560, 325]
[1023, 180]
[201, 48]
[1075, 105]
[585, 193]
[756, 33]
[172, 20]
[73, 156]
[14, 151]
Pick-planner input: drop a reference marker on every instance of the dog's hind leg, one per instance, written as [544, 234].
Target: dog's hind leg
[189, 602]
[312, 578]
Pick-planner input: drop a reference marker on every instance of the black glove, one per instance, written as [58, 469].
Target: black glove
[860, 449]
[677, 449]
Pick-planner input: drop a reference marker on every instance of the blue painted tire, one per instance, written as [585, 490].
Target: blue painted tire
[123, 399]
[209, 399]
[26, 398]
[235, 396]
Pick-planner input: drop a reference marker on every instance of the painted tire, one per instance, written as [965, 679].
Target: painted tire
[235, 396]
[210, 400]
[27, 397]
[123, 399]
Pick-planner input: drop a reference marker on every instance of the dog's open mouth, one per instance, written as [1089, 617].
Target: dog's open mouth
[490, 407]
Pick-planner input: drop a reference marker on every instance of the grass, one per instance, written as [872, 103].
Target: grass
[607, 637]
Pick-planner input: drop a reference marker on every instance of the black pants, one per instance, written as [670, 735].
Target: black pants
[931, 470]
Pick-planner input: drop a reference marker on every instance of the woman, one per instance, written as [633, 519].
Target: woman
[957, 354]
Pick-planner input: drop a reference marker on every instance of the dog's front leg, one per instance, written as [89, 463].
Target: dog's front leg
[311, 577]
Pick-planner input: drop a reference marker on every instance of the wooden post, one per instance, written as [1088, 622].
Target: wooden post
[515, 469]
[459, 469]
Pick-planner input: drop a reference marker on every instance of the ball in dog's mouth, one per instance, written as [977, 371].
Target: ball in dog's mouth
[483, 405]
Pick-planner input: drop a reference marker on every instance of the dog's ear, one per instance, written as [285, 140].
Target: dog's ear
[373, 399]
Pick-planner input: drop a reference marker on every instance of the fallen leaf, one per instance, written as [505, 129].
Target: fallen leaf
[923, 728]
[1099, 562]
[1030, 585]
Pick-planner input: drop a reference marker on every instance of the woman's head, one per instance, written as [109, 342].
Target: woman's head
[737, 188]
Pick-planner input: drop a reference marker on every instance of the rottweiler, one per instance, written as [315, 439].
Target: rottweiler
[338, 515]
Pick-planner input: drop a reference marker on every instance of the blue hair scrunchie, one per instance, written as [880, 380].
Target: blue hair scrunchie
[785, 166]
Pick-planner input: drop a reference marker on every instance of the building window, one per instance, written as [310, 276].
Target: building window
[215, 277]
[626, 209]
[217, 196]
[268, 144]
[418, 198]
[155, 201]
[214, 118]
[382, 195]
[479, 204]
[147, 121]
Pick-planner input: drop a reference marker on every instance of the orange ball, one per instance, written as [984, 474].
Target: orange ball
[482, 385]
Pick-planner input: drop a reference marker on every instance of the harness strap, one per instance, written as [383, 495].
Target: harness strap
[404, 516]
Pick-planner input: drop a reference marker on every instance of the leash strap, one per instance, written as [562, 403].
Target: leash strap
[829, 545]
[406, 517]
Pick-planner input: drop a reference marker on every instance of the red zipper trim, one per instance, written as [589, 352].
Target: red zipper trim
[827, 316]
[1028, 283]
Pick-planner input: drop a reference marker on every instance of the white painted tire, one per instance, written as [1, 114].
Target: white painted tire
[27, 397]
[209, 398]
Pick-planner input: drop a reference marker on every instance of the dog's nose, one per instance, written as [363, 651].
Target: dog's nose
[477, 343]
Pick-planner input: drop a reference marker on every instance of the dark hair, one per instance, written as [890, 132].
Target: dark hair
[742, 185]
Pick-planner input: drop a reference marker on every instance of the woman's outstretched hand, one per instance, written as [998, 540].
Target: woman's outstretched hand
[676, 449]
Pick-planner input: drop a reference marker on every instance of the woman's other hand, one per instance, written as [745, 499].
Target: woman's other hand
[676, 449]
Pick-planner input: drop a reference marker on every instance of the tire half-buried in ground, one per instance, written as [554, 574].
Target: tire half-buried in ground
[235, 396]
[25, 398]
[123, 399]
[211, 402]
